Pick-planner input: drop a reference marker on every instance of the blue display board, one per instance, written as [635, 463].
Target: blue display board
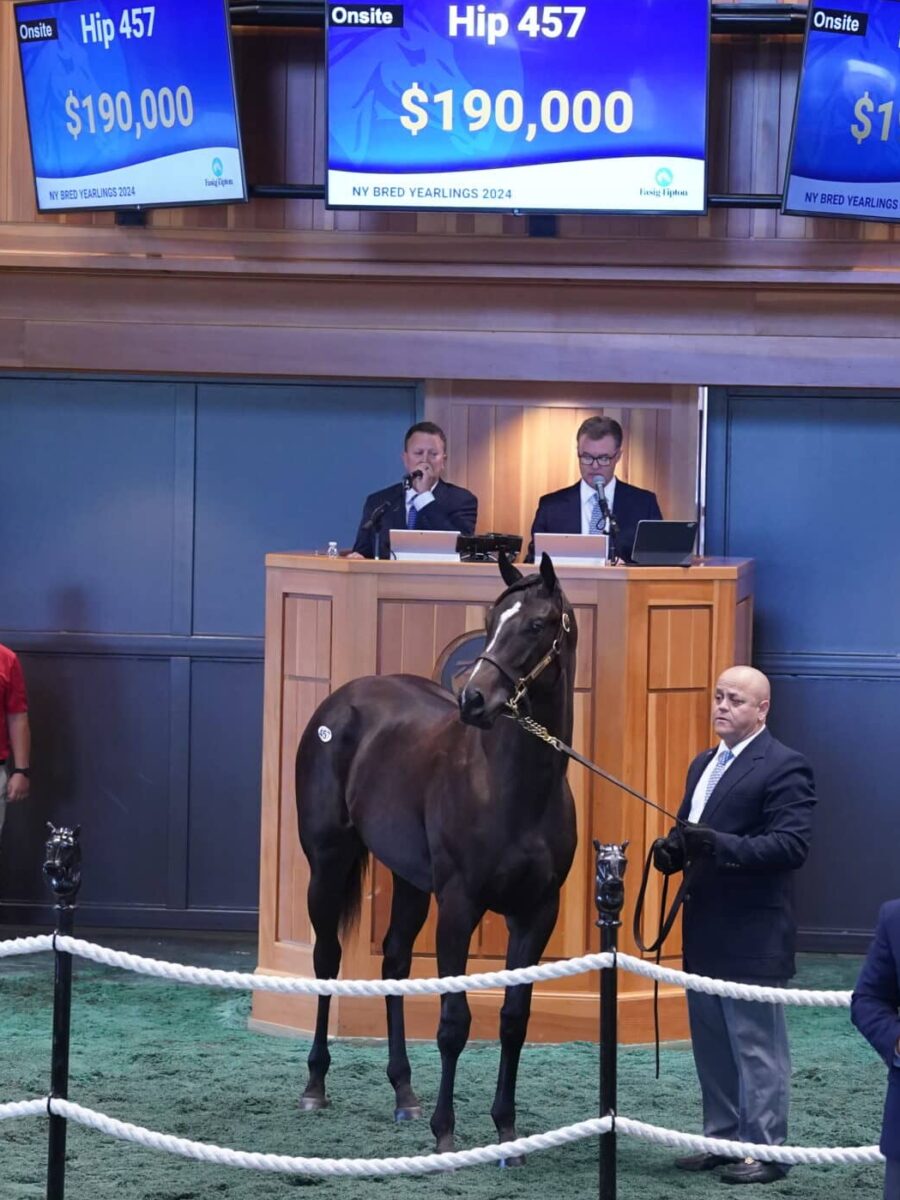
[505, 104]
[130, 105]
[845, 149]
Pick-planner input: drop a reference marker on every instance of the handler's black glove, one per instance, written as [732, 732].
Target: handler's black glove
[699, 841]
[668, 854]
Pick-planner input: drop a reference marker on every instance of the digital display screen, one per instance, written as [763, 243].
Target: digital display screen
[504, 104]
[130, 105]
[845, 149]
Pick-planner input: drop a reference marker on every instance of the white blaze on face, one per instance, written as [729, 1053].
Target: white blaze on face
[504, 617]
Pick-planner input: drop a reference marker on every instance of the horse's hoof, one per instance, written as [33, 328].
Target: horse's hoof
[518, 1160]
[445, 1144]
[313, 1103]
[407, 1112]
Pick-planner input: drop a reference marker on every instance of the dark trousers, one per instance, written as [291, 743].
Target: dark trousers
[892, 1179]
[744, 1067]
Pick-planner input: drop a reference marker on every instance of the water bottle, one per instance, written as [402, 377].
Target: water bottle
[332, 550]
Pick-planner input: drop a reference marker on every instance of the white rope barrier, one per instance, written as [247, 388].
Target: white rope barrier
[428, 1163]
[29, 945]
[331, 987]
[735, 991]
[292, 984]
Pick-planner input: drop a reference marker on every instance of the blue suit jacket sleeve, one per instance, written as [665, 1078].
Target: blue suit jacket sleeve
[876, 997]
[453, 507]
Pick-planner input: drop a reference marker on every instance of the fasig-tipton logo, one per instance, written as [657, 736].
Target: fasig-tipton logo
[366, 15]
[838, 20]
[40, 29]
[219, 180]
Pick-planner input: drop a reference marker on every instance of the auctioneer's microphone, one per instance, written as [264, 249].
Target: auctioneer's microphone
[601, 499]
[418, 473]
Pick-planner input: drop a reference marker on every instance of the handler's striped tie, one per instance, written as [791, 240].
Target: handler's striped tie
[725, 757]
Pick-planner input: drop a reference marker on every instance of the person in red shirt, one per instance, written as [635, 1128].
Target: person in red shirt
[15, 733]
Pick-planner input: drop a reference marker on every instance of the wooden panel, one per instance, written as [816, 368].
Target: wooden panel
[679, 648]
[743, 632]
[678, 726]
[512, 443]
[307, 637]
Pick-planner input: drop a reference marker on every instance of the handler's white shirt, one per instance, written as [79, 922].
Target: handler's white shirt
[698, 800]
[588, 496]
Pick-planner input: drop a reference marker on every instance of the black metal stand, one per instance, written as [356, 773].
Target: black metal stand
[609, 897]
[62, 868]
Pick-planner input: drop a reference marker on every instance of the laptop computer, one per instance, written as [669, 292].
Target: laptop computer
[664, 543]
[573, 549]
[424, 545]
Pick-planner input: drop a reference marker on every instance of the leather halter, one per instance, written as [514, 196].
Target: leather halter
[520, 686]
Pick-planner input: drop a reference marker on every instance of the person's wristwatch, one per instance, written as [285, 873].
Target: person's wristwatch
[26, 771]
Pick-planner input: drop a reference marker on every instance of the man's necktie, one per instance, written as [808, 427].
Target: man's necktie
[725, 757]
[597, 521]
[412, 514]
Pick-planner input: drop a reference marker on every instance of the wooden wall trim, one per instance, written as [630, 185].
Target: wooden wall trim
[644, 333]
[325, 254]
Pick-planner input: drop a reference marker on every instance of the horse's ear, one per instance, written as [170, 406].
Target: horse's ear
[510, 573]
[548, 574]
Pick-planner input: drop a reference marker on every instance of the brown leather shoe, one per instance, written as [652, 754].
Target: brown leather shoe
[751, 1171]
[703, 1162]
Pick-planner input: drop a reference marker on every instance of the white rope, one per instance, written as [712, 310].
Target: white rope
[29, 945]
[331, 987]
[206, 976]
[427, 1163]
[779, 1154]
[735, 991]
[23, 1108]
[353, 1167]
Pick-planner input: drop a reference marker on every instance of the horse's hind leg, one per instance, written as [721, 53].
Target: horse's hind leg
[528, 938]
[333, 875]
[409, 908]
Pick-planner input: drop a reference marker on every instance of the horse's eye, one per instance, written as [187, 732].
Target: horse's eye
[537, 625]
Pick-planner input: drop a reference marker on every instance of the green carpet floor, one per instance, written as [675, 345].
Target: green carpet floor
[181, 1060]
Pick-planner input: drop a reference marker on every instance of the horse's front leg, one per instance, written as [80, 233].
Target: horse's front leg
[457, 918]
[409, 908]
[528, 937]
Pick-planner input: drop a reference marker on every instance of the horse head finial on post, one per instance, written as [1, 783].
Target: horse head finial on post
[610, 881]
[62, 863]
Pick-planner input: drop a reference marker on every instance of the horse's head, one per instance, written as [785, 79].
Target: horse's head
[531, 639]
[62, 864]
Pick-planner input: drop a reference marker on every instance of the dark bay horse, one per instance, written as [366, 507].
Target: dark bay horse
[475, 810]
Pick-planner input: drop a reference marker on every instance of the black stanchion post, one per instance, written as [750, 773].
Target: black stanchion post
[609, 897]
[62, 869]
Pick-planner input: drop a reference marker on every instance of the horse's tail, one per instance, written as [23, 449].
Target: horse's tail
[337, 854]
[353, 891]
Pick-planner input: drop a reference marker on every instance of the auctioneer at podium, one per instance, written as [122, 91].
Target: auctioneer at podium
[421, 500]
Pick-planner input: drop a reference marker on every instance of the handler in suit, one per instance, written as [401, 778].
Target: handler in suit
[754, 798]
[874, 1013]
[423, 500]
[576, 509]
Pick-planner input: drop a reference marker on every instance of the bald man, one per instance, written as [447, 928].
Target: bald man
[744, 829]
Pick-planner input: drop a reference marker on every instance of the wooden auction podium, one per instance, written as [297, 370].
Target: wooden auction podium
[651, 642]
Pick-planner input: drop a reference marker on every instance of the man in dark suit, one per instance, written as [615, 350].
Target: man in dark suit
[744, 829]
[422, 500]
[576, 509]
[874, 1013]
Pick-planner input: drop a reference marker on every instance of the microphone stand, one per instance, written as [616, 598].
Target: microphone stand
[612, 525]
